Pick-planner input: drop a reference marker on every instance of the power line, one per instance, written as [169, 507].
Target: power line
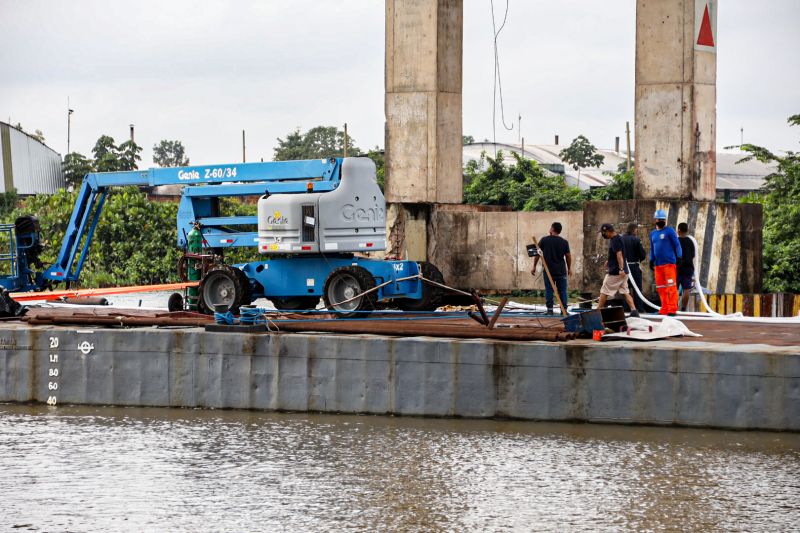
[498, 85]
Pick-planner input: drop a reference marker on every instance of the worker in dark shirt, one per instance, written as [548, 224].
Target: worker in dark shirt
[634, 254]
[556, 253]
[616, 280]
[686, 264]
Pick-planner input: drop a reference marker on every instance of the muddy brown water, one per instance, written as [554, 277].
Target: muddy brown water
[131, 469]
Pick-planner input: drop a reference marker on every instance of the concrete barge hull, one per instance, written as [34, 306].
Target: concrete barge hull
[688, 383]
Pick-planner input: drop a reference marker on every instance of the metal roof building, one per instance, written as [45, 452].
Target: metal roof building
[733, 178]
[28, 165]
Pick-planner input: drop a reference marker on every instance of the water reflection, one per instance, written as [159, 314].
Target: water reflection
[90, 468]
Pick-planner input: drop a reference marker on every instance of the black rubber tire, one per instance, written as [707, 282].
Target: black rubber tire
[247, 289]
[297, 303]
[175, 302]
[359, 280]
[432, 295]
[228, 279]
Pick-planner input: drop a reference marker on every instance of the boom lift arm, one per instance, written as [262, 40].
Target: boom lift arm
[199, 202]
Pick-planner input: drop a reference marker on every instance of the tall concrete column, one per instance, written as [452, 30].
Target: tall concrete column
[676, 76]
[423, 116]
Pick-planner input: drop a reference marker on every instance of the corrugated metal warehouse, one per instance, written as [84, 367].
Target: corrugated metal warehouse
[28, 165]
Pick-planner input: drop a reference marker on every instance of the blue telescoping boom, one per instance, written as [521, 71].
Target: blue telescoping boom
[205, 184]
[314, 217]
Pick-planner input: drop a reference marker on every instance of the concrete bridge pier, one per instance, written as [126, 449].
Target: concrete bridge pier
[676, 99]
[423, 114]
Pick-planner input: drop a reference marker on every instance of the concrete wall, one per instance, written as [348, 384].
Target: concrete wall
[694, 384]
[486, 250]
[423, 101]
[729, 237]
[675, 106]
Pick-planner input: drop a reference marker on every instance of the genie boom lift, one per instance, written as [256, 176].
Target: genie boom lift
[314, 219]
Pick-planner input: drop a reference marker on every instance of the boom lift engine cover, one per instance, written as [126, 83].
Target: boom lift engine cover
[351, 218]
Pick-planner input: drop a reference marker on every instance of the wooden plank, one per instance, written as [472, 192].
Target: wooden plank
[499, 310]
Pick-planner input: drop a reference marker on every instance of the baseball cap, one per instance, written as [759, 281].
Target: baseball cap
[606, 227]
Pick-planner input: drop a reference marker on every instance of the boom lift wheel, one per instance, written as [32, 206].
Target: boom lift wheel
[431, 294]
[224, 285]
[345, 283]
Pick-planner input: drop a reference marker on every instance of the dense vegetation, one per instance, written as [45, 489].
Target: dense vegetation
[135, 241]
[781, 201]
[525, 186]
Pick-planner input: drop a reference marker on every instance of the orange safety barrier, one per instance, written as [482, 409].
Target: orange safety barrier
[57, 295]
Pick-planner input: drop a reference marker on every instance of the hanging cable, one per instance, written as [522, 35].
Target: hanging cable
[498, 85]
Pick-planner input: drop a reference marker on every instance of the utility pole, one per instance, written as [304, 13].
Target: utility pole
[628, 142]
[523, 147]
[244, 149]
[345, 139]
[741, 135]
[519, 129]
[69, 123]
[131, 132]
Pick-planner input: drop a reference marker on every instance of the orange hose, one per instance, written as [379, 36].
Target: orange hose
[57, 295]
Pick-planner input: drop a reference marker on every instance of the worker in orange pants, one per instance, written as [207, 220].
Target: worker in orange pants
[667, 288]
[665, 253]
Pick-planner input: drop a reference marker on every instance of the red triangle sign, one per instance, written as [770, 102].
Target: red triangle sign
[706, 37]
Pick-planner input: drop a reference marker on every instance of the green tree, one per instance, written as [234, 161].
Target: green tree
[620, 188]
[316, 143]
[523, 185]
[128, 155]
[467, 139]
[108, 157]
[170, 154]
[581, 154]
[39, 136]
[781, 201]
[106, 154]
[8, 202]
[377, 156]
[76, 166]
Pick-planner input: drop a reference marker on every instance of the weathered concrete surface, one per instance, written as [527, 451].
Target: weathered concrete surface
[693, 384]
[486, 249]
[407, 228]
[423, 101]
[675, 101]
[728, 236]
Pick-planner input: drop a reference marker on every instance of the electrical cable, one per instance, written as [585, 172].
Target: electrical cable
[498, 85]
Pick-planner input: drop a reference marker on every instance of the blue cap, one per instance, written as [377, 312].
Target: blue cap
[660, 215]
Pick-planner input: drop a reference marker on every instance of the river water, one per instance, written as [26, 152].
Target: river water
[132, 469]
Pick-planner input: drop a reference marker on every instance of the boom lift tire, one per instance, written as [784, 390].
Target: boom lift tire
[247, 292]
[345, 283]
[431, 294]
[224, 285]
[297, 303]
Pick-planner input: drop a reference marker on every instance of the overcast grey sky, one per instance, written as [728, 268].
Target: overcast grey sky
[202, 71]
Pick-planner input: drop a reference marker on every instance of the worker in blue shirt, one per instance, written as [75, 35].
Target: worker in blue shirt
[665, 253]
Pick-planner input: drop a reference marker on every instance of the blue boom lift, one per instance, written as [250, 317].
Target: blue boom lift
[314, 218]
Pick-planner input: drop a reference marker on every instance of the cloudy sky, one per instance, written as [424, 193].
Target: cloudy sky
[202, 71]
